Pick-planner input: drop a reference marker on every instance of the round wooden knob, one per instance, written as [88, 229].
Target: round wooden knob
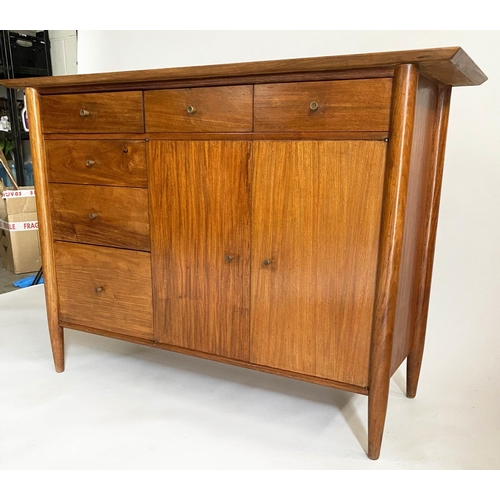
[191, 110]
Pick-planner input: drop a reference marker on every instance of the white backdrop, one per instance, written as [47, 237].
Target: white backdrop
[464, 315]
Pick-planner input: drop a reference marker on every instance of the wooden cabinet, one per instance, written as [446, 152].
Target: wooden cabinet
[279, 216]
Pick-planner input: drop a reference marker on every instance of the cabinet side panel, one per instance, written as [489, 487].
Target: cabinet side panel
[416, 219]
[200, 230]
[315, 232]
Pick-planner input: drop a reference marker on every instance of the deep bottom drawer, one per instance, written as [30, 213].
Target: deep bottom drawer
[105, 288]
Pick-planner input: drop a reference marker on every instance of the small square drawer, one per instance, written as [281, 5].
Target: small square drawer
[106, 112]
[207, 109]
[105, 288]
[111, 216]
[341, 105]
[101, 162]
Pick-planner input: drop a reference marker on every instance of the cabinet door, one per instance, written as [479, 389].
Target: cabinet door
[200, 231]
[316, 208]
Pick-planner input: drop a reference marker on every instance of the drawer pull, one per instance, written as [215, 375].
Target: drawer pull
[84, 112]
[92, 216]
[229, 258]
[89, 163]
[125, 149]
[191, 110]
[267, 262]
[99, 289]
[314, 106]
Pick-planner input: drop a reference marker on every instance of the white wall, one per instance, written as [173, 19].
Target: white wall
[63, 51]
[464, 309]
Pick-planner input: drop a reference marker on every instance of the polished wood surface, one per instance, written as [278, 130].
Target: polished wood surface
[209, 109]
[354, 135]
[415, 220]
[45, 227]
[105, 112]
[389, 256]
[105, 288]
[445, 65]
[316, 219]
[359, 105]
[428, 239]
[201, 250]
[312, 76]
[100, 215]
[97, 161]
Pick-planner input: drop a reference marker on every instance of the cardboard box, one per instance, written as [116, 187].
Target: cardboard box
[19, 240]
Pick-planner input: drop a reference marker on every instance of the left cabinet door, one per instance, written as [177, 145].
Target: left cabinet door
[200, 233]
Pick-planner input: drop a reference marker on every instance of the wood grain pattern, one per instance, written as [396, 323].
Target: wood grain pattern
[445, 65]
[389, 257]
[342, 105]
[316, 217]
[101, 215]
[311, 76]
[102, 162]
[428, 241]
[346, 135]
[217, 109]
[200, 197]
[107, 112]
[105, 288]
[415, 220]
[45, 228]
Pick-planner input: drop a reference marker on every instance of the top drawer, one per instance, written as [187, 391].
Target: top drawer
[350, 105]
[88, 113]
[207, 109]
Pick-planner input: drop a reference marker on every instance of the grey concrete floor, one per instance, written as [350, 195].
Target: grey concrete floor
[7, 278]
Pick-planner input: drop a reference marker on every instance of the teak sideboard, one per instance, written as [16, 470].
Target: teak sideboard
[276, 215]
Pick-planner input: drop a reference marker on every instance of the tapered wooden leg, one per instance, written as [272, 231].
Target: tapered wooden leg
[413, 364]
[377, 409]
[414, 359]
[45, 227]
[391, 242]
[57, 344]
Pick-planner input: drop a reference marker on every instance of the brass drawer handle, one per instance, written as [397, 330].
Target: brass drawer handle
[89, 163]
[92, 216]
[267, 262]
[314, 106]
[191, 110]
[84, 112]
[99, 289]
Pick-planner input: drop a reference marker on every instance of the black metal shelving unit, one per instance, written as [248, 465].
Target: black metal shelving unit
[22, 55]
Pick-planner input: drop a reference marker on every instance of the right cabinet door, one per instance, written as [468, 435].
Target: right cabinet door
[316, 210]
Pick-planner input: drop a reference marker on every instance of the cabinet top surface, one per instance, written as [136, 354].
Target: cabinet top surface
[447, 66]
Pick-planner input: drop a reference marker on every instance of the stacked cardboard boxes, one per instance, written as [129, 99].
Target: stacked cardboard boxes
[19, 241]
